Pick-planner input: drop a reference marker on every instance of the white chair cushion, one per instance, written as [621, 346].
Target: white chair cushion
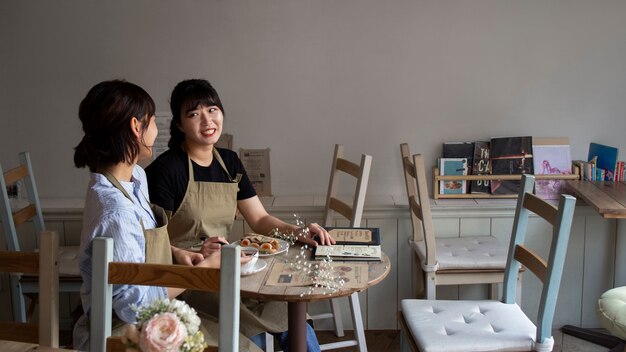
[454, 326]
[612, 311]
[467, 252]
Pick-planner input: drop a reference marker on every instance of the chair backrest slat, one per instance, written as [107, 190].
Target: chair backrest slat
[544, 209]
[15, 174]
[360, 172]
[531, 261]
[179, 276]
[23, 215]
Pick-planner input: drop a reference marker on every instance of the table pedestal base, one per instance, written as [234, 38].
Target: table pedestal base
[297, 326]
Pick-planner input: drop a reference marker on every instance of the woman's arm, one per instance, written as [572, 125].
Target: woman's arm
[262, 222]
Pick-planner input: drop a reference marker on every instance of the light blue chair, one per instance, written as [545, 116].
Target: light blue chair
[225, 280]
[488, 325]
[69, 274]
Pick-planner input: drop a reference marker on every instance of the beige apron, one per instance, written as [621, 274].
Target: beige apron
[158, 250]
[208, 209]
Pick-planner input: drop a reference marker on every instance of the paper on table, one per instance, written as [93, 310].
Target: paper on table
[351, 235]
[353, 274]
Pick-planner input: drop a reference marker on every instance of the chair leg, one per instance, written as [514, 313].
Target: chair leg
[17, 298]
[357, 320]
[493, 291]
[269, 342]
[430, 286]
[336, 309]
[359, 330]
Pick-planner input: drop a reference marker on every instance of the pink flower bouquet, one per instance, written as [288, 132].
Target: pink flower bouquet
[165, 325]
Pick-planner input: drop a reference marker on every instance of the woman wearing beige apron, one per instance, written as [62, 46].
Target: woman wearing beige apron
[119, 124]
[202, 187]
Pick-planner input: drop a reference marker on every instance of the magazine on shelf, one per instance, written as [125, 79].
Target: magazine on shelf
[510, 156]
[460, 150]
[352, 244]
[551, 156]
[452, 166]
[480, 166]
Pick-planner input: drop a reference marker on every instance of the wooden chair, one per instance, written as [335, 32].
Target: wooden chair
[447, 261]
[45, 265]
[70, 279]
[106, 273]
[438, 325]
[353, 212]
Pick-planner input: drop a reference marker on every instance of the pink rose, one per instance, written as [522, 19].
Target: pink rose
[164, 332]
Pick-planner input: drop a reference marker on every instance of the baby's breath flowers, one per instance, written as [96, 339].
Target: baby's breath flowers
[322, 273]
[291, 236]
[165, 325]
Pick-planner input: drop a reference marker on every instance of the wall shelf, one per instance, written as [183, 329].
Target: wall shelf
[437, 177]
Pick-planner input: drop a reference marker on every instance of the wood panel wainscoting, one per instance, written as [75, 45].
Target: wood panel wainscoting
[589, 267]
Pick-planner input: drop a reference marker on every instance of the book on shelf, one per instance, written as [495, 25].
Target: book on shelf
[510, 156]
[605, 158]
[551, 156]
[452, 166]
[460, 150]
[480, 166]
[352, 244]
[619, 171]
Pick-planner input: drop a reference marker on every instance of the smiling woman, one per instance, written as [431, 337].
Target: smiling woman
[202, 186]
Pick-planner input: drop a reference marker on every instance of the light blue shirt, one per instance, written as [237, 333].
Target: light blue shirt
[108, 213]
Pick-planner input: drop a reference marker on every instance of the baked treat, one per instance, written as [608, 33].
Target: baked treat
[265, 244]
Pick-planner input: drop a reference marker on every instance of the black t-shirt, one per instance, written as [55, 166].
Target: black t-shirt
[168, 176]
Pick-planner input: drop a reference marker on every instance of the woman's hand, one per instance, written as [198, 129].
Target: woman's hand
[320, 232]
[185, 257]
[212, 245]
[213, 260]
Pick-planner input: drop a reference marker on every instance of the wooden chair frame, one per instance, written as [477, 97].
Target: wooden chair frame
[21, 284]
[45, 265]
[354, 213]
[422, 225]
[225, 280]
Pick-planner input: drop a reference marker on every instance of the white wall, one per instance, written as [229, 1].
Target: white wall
[298, 76]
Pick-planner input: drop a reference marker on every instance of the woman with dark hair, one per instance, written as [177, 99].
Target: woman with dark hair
[119, 125]
[202, 187]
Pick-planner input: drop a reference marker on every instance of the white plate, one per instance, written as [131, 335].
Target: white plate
[282, 246]
[258, 266]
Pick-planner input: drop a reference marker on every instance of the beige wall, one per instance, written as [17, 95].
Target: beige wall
[298, 76]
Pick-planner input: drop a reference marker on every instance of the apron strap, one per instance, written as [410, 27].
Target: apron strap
[217, 157]
[118, 185]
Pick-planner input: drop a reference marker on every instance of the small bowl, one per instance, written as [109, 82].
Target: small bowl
[249, 251]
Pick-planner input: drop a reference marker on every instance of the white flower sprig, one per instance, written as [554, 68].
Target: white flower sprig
[291, 237]
[322, 273]
[165, 325]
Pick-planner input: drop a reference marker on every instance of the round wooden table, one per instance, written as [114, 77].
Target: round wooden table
[254, 286]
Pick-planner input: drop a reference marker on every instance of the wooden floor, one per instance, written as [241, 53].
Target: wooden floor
[377, 340]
